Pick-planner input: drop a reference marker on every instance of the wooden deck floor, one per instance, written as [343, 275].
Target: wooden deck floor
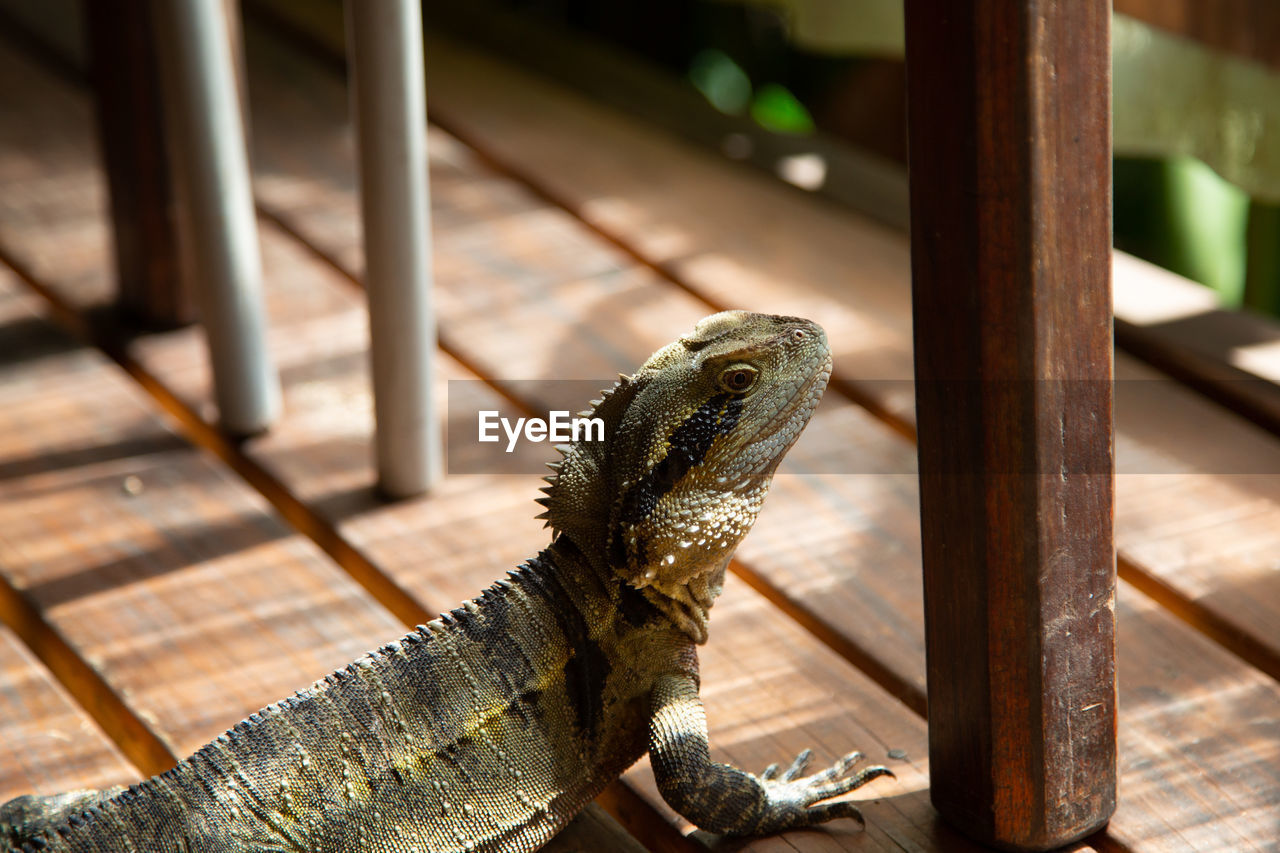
[159, 584]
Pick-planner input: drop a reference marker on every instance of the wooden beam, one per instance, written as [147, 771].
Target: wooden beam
[1248, 28]
[125, 75]
[1009, 155]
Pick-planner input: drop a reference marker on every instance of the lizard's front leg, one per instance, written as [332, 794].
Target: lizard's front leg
[720, 798]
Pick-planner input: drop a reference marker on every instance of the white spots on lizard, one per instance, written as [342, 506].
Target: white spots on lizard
[286, 798]
[346, 748]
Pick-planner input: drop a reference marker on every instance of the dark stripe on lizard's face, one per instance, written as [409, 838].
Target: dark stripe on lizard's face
[689, 444]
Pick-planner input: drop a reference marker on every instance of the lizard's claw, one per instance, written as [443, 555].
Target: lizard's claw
[797, 767]
[794, 800]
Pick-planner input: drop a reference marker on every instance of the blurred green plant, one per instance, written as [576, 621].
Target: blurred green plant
[727, 87]
[1180, 214]
[776, 109]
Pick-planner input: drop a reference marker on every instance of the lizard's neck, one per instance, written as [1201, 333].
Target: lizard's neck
[588, 565]
[588, 580]
[615, 510]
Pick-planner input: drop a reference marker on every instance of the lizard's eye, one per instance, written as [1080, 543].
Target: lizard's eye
[738, 379]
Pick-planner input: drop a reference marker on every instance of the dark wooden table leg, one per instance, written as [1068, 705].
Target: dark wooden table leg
[1010, 159]
[126, 83]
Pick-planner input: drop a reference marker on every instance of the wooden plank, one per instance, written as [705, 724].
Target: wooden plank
[51, 177]
[1198, 512]
[1231, 357]
[48, 744]
[1011, 281]
[1199, 739]
[167, 576]
[531, 301]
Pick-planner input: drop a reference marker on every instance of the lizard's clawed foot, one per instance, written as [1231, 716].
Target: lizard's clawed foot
[795, 800]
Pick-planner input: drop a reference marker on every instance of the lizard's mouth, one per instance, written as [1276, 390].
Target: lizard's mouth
[783, 428]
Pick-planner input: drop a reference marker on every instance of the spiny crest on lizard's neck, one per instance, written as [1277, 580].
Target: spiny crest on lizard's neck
[691, 444]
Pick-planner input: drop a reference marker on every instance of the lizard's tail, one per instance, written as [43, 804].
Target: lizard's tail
[27, 819]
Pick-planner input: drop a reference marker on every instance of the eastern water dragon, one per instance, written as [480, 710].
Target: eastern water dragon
[490, 727]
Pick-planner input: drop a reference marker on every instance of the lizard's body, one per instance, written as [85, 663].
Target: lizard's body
[491, 727]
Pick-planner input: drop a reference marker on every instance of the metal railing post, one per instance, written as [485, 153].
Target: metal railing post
[389, 105]
[216, 219]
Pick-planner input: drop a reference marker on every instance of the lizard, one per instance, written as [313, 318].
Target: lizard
[490, 727]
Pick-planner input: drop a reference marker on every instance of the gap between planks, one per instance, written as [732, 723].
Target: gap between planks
[135, 740]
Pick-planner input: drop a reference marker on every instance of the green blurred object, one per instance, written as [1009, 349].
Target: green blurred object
[1262, 282]
[1208, 217]
[1180, 214]
[776, 109]
[727, 87]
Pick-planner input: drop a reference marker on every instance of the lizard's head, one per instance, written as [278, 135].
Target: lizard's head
[691, 444]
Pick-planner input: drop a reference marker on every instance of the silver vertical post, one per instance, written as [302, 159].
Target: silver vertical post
[216, 221]
[389, 104]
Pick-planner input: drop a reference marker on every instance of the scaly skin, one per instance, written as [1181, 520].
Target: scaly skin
[491, 727]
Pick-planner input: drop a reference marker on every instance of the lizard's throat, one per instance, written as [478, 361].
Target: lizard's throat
[688, 605]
